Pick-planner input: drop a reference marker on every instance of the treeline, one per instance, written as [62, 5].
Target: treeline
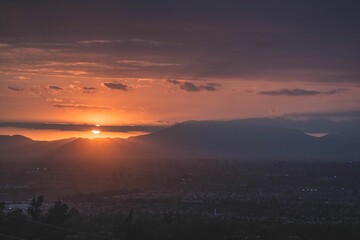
[60, 222]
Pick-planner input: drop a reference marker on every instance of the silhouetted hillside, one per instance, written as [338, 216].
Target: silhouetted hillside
[259, 139]
[244, 140]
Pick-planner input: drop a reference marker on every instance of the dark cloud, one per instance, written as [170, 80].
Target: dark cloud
[116, 86]
[89, 90]
[82, 127]
[210, 87]
[15, 89]
[55, 88]
[191, 87]
[291, 92]
[81, 106]
[270, 40]
[174, 81]
[335, 91]
[301, 92]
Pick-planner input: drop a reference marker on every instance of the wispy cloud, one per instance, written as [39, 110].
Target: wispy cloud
[133, 40]
[4, 45]
[54, 100]
[99, 41]
[142, 63]
[89, 90]
[148, 41]
[81, 106]
[301, 92]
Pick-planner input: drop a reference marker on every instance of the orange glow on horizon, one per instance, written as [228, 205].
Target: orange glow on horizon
[49, 135]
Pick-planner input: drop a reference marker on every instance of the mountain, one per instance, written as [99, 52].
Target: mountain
[16, 140]
[257, 139]
[245, 139]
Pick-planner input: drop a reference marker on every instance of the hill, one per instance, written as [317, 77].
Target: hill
[258, 139]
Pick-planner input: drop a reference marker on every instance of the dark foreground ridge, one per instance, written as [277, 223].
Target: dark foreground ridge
[57, 221]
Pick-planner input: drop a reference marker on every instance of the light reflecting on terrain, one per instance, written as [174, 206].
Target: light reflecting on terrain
[317, 134]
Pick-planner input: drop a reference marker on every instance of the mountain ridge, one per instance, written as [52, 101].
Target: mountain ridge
[235, 139]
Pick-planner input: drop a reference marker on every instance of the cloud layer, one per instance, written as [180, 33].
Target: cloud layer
[330, 115]
[81, 106]
[82, 127]
[300, 92]
[115, 59]
[283, 40]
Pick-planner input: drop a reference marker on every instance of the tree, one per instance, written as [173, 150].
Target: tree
[2, 208]
[58, 214]
[35, 209]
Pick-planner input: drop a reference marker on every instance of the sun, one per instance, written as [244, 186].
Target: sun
[96, 131]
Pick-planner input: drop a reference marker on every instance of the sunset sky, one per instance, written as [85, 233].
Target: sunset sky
[154, 63]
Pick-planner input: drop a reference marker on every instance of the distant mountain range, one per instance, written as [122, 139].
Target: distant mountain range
[247, 139]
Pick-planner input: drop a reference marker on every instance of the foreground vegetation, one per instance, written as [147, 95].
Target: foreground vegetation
[60, 222]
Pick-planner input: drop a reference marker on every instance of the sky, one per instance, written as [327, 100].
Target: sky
[155, 63]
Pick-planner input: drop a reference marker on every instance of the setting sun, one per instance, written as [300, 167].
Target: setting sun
[96, 131]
